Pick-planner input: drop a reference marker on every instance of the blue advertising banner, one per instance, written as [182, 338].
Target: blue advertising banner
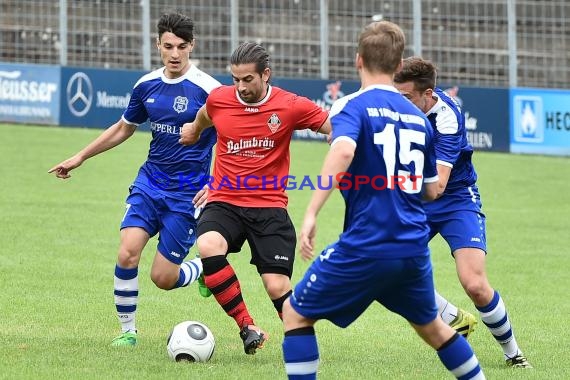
[486, 116]
[520, 120]
[95, 97]
[29, 93]
[540, 121]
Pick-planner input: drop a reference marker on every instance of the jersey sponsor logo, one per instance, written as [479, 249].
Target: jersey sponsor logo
[165, 128]
[273, 123]
[237, 147]
[180, 104]
[528, 126]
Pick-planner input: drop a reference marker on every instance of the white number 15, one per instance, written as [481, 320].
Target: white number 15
[406, 155]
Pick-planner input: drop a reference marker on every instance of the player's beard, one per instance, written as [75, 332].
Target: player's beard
[248, 97]
[252, 96]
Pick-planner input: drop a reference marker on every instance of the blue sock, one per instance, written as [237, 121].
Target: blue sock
[301, 354]
[459, 359]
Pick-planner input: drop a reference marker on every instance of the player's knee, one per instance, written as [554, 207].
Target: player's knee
[211, 244]
[478, 289]
[163, 280]
[128, 258]
[276, 288]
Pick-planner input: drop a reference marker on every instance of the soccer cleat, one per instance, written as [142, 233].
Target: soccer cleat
[518, 361]
[252, 339]
[202, 288]
[464, 323]
[126, 339]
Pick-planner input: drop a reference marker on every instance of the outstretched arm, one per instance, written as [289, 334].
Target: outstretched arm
[190, 132]
[337, 161]
[110, 138]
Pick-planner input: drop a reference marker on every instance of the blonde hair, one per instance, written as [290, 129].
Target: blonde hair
[381, 46]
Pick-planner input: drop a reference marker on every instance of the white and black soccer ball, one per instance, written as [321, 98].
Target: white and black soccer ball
[190, 341]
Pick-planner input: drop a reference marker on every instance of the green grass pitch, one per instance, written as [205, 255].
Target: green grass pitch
[58, 249]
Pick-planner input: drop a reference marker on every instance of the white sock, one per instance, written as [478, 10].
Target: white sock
[126, 293]
[495, 317]
[446, 309]
[189, 272]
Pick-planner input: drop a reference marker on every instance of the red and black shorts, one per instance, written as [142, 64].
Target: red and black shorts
[268, 230]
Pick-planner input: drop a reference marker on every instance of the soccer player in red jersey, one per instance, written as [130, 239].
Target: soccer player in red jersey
[254, 122]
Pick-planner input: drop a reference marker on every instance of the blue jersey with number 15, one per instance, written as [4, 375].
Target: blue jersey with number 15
[394, 156]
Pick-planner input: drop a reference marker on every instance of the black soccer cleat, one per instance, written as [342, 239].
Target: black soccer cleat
[519, 361]
[252, 339]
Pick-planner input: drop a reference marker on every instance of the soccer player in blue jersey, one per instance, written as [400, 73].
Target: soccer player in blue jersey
[161, 197]
[456, 214]
[383, 161]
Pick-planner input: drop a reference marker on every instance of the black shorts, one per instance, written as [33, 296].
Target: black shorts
[268, 230]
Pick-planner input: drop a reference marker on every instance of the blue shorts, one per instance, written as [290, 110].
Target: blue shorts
[458, 218]
[460, 229]
[340, 288]
[176, 230]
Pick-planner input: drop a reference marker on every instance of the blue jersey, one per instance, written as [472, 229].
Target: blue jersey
[384, 216]
[172, 169]
[451, 145]
[453, 150]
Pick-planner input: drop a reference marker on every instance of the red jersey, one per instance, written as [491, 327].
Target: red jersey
[252, 161]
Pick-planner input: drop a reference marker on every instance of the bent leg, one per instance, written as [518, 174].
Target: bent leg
[175, 238]
[453, 350]
[221, 278]
[300, 347]
[470, 263]
[168, 275]
[460, 320]
[278, 288]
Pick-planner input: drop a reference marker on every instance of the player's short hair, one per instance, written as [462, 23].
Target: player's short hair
[421, 72]
[250, 52]
[180, 25]
[381, 46]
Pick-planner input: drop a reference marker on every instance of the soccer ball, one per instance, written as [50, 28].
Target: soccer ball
[190, 341]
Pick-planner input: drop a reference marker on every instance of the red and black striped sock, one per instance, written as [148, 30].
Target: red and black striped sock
[222, 281]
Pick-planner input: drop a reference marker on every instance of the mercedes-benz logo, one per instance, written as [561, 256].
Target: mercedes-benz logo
[79, 94]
